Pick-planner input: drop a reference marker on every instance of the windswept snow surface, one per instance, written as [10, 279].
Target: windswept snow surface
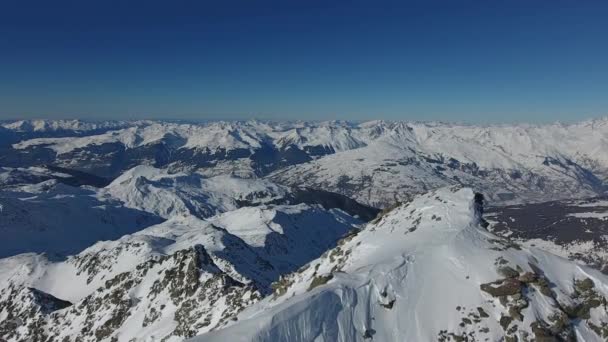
[424, 271]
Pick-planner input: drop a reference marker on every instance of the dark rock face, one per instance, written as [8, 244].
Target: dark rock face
[36, 155]
[508, 272]
[330, 200]
[320, 280]
[563, 223]
[26, 310]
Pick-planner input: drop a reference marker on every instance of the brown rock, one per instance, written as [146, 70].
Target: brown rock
[527, 277]
[504, 287]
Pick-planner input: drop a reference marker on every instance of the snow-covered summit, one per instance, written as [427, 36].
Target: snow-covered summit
[428, 270]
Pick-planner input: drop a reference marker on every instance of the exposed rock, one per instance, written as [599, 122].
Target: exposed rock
[508, 272]
[504, 287]
[528, 277]
[320, 280]
[584, 285]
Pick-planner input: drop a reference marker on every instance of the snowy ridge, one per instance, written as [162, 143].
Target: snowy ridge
[248, 231]
[173, 280]
[429, 271]
[214, 136]
[502, 144]
[509, 163]
[156, 191]
[325, 138]
[57, 218]
[61, 125]
[518, 162]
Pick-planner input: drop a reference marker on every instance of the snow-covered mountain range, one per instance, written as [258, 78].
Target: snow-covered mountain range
[169, 281]
[377, 163]
[302, 231]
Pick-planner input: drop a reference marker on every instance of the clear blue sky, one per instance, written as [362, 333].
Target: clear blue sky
[453, 60]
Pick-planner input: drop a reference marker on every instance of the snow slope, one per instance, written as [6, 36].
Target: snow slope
[425, 271]
[52, 217]
[507, 163]
[156, 191]
[173, 280]
[55, 218]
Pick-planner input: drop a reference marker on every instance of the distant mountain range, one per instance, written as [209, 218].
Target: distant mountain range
[377, 163]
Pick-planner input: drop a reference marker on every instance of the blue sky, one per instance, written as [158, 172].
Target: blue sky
[472, 61]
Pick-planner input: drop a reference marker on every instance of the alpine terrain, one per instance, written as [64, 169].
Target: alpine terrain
[303, 231]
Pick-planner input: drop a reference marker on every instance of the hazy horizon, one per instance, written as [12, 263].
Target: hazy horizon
[456, 121]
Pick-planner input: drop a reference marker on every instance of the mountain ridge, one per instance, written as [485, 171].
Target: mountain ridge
[265, 231]
[509, 163]
[393, 287]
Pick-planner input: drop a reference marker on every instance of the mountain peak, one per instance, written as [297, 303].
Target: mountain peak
[396, 280]
[447, 209]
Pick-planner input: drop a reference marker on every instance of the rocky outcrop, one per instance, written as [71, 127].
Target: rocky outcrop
[186, 288]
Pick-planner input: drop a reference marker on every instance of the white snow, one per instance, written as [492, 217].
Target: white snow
[251, 245]
[67, 125]
[506, 162]
[156, 191]
[596, 215]
[426, 274]
[400, 278]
